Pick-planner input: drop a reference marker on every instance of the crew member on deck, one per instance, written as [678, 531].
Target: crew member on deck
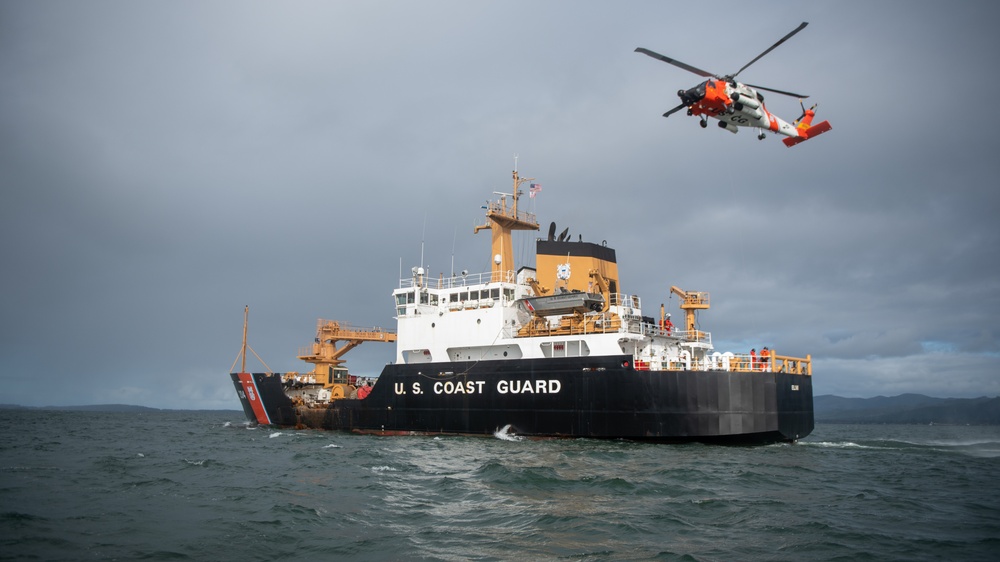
[667, 325]
[753, 359]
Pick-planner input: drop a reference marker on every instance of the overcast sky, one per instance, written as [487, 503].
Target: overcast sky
[163, 164]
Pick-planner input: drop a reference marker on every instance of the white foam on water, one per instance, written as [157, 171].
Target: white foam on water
[838, 445]
[954, 442]
[275, 434]
[383, 469]
[504, 434]
[331, 446]
[984, 448]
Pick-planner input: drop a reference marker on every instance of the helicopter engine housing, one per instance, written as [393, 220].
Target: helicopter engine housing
[746, 100]
[729, 127]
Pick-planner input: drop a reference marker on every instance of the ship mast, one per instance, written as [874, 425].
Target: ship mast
[243, 350]
[246, 314]
[502, 221]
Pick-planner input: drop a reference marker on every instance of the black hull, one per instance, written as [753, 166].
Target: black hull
[572, 397]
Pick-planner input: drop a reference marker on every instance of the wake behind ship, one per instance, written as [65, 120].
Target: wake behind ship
[555, 350]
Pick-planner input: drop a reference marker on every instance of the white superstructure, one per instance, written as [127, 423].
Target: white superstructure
[568, 305]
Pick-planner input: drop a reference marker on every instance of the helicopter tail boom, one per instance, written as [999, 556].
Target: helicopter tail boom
[807, 132]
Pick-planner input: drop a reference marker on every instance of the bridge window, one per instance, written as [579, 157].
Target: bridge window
[403, 299]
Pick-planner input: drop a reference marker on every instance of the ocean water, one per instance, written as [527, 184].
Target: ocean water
[205, 486]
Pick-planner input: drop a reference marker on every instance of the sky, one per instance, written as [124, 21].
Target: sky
[164, 164]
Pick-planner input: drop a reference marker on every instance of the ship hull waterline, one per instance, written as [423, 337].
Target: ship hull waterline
[589, 397]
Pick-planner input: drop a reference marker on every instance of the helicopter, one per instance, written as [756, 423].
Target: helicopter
[736, 104]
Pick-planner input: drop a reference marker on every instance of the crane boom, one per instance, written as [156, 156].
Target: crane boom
[325, 354]
[690, 302]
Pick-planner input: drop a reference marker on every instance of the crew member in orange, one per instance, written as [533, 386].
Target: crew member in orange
[667, 325]
[753, 359]
[765, 359]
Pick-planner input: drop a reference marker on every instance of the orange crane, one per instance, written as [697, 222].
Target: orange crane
[690, 302]
[326, 356]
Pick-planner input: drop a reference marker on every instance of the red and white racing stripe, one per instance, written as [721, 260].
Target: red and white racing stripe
[253, 396]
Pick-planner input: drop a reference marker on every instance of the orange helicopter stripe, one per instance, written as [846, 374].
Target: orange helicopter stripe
[773, 121]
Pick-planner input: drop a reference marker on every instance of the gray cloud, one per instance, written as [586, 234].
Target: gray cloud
[165, 164]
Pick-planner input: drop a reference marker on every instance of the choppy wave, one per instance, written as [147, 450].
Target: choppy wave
[986, 448]
[845, 492]
[28, 468]
[976, 448]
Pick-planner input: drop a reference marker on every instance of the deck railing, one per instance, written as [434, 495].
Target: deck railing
[457, 280]
[739, 363]
[500, 208]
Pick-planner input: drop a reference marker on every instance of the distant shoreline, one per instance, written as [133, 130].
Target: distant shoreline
[908, 409]
[108, 408]
[903, 409]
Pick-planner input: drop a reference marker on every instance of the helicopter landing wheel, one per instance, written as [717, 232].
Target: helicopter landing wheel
[704, 123]
[761, 136]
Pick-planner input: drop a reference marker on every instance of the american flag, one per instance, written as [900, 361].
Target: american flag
[534, 189]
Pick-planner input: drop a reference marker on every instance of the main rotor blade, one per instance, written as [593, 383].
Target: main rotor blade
[780, 41]
[777, 91]
[676, 63]
[675, 110]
